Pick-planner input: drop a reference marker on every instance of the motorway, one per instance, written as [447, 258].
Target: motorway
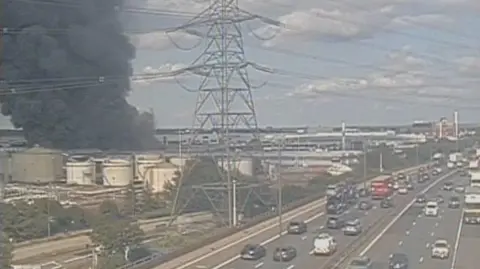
[414, 233]
[304, 243]
[228, 257]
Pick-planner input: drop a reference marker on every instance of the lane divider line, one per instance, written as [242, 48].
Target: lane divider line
[457, 242]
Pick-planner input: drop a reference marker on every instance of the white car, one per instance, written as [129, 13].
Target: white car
[440, 249]
[396, 186]
[324, 244]
[403, 190]
[431, 209]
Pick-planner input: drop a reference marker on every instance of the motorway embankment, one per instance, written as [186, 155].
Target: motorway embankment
[81, 240]
[215, 254]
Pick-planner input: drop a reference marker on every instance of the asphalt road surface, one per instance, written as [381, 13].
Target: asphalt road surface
[414, 234]
[304, 243]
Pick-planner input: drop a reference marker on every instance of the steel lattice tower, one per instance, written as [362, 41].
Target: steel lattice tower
[225, 101]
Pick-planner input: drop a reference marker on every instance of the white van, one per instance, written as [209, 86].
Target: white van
[431, 209]
[324, 244]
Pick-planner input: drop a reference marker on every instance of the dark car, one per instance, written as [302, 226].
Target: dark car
[253, 252]
[398, 261]
[410, 186]
[365, 205]
[454, 202]
[386, 203]
[448, 186]
[363, 193]
[335, 223]
[284, 254]
[297, 227]
[426, 176]
[401, 176]
[435, 172]
[463, 173]
[439, 199]
[421, 199]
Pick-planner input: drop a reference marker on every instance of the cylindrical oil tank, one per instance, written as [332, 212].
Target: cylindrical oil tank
[179, 161]
[37, 165]
[156, 176]
[80, 170]
[142, 167]
[117, 172]
[245, 166]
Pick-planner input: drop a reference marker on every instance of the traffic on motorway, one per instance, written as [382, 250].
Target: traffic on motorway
[351, 212]
[423, 209]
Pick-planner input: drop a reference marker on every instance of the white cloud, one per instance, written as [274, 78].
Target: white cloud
[322, 23]
[469, 66]
[425, 19]
[161, 40]
[151, 74]
[344, 23]
[401, 74]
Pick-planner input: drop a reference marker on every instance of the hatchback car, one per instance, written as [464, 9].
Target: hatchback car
[297, 227]
[335, 223]
[365, 205]
[360, 263]
[284, 254]
[253, 252]
[398, 261]
[454, 202]
[352, 228]
[386, 203]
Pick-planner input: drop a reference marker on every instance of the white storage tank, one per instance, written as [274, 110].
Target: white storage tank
[179, 161]
[142, 167]
[245, 166]
[37, 165]
[117, 172]
[156, 176]
[80, 170]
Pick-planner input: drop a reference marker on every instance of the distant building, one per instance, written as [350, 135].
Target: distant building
[444, 128]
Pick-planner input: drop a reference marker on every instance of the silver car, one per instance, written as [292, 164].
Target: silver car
[360, 263]
[352, 228]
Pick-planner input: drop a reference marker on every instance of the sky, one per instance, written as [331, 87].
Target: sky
[361, 62]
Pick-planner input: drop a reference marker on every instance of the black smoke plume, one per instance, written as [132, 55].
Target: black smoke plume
[66, 67]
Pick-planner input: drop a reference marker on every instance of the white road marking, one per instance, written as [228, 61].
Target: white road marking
[404, 210]
[457, 241]
[407, 232]
[432, 234]
[201, 266]
[366, 213]
[374, 207]
[321, 227]
[427, 245]
[311, 252]
[304, 237]
[291, 266]
[414, 223]
[436, 224]
[400, 243]
[258, 265]
[421, 260]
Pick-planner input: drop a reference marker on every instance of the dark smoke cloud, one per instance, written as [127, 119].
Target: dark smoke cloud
[70, 39]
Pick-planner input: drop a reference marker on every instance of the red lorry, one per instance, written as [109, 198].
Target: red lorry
[380, 188]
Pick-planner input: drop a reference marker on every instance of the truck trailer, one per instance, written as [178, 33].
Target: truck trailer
[471, 210]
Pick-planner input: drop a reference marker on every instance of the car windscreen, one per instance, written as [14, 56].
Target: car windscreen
[454, 199]
[441, 245]
[431, 206]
